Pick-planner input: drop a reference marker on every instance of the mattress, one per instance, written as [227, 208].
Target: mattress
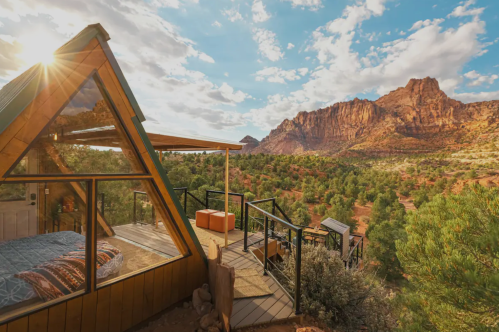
[23, 254]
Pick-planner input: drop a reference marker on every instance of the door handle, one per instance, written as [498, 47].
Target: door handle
[32, 203]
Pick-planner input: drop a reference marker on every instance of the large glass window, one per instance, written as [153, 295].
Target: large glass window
[132, 219]
[42, 244]
[85, 138]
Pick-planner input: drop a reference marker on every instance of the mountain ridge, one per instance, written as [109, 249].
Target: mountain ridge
[419, 117]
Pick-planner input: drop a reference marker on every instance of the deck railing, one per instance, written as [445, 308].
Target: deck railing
[282, 231]
[356, 252]
[218, 204]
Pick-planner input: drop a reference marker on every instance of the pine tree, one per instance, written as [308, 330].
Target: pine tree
[451, 256]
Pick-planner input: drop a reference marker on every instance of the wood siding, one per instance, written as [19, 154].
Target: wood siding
[119, 306]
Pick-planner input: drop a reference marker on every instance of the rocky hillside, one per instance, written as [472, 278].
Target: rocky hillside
[416, 118]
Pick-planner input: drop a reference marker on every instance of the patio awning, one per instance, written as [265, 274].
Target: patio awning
[166, 139]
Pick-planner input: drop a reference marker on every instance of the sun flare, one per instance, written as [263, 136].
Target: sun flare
[38, 47]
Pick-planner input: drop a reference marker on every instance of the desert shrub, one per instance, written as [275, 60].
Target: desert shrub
[347, 300]
[364, 219]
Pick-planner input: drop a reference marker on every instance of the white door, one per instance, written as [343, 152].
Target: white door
[18, 214]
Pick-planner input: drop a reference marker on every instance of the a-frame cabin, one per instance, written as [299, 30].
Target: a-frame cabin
[79, 181]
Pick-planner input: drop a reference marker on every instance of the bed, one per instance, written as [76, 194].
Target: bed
[27, 263]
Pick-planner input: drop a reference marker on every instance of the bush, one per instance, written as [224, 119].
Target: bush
[343, 299]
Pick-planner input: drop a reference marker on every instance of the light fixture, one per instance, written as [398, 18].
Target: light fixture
[55, 136]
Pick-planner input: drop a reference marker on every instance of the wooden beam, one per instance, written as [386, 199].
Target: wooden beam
[226, 198]
[54, 154]
[184, 141]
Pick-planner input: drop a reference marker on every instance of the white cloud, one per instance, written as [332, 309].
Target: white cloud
[425, 23]
[150, 50]
[402, 33]
[268, 45]
[464, 10]
[205, 57]
[232, 14]
[303, 71]
[278, 75]
[475, 79]
[259, 12]
[343, 72]
[389, 33]
[217, 24]
[226, 74]
[290, 46]
[471, 97]
[310, 4]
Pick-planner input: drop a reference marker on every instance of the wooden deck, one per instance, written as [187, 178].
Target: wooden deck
[246, 312]
[260, 310]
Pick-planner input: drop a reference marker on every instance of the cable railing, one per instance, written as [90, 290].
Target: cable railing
[187, 197]
[281, 231]
[219, 204]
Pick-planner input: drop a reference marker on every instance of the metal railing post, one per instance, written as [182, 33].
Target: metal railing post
[246, 229]
[206, 199]
[134, 207]
[242, 212]
[298, 272]
[102, 204]
[185, 201]
[273, 213]
[265, 244]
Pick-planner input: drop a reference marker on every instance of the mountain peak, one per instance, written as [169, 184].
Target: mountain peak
[416, 117]
[416, 93]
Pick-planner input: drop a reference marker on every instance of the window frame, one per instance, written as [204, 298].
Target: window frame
[91, 180]
[30, 309]
[112, 106]
[91, 285]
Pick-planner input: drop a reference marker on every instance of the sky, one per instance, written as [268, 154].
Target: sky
[231, 68]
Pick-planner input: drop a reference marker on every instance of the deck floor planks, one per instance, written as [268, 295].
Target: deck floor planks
[246, 312]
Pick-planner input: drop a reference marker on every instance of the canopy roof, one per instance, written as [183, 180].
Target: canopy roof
[335, 225]
[165, 139]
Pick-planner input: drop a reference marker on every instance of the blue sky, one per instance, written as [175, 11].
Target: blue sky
[228, 68]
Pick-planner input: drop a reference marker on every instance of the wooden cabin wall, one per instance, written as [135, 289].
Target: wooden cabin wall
[120, 306]
[124, 304]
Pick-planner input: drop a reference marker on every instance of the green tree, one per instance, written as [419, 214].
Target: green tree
[362, 198]
[451, 256]
[382, 251]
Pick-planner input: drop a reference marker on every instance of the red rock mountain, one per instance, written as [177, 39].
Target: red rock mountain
[416, 118]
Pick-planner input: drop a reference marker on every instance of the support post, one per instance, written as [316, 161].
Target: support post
[226, 198]
[206, 201]
[160, 156]
[246, 217]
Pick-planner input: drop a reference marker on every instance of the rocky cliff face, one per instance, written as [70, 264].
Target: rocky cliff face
[418, 116]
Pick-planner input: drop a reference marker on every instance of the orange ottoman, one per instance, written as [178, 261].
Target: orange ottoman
[217, 221]
[203, 218]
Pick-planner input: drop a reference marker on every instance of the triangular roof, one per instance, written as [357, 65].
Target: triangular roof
[17, 94]
[29, 103]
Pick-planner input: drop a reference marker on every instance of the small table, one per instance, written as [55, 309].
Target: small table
[318, 235]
